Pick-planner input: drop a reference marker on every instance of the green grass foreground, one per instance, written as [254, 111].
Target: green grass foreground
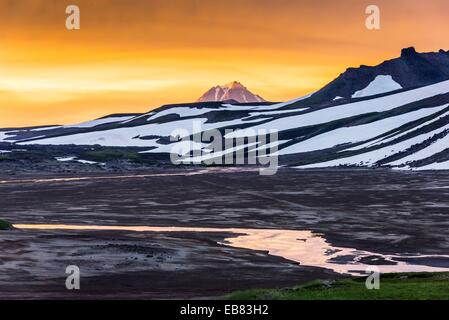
[5, 225]
[405, 286]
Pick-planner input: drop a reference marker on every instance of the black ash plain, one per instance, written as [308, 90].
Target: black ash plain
[382, 211]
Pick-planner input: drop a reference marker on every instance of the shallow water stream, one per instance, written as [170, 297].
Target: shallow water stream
[303, 247]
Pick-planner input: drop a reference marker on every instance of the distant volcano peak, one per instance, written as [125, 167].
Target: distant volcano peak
[234, 85]
[231, 91]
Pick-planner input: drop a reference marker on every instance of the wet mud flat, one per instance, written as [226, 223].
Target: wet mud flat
[145, 265]
[379, 211]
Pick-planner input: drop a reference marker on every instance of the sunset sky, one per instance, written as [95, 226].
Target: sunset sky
[133, 56]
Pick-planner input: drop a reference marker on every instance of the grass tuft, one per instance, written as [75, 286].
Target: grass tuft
[5, 225]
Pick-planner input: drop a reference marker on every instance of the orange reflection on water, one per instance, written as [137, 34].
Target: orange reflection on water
[303, 247]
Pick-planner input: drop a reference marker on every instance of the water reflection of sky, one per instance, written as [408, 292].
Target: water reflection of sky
[303, 247]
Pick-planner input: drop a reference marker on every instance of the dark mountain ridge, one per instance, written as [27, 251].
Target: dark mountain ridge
[410, 70]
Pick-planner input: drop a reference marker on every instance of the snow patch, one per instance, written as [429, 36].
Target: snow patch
[65, 159]
[381, 84]
[4, 136]
[434, 166]
[70, 159]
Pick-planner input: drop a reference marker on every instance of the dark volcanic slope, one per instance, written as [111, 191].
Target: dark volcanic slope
[410, 70]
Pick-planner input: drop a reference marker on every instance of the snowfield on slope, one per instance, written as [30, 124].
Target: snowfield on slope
[344, 111]
[370, 158]
[357, 133]
[381, 84]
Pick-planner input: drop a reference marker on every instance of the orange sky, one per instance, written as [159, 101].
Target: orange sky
[132, 56]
